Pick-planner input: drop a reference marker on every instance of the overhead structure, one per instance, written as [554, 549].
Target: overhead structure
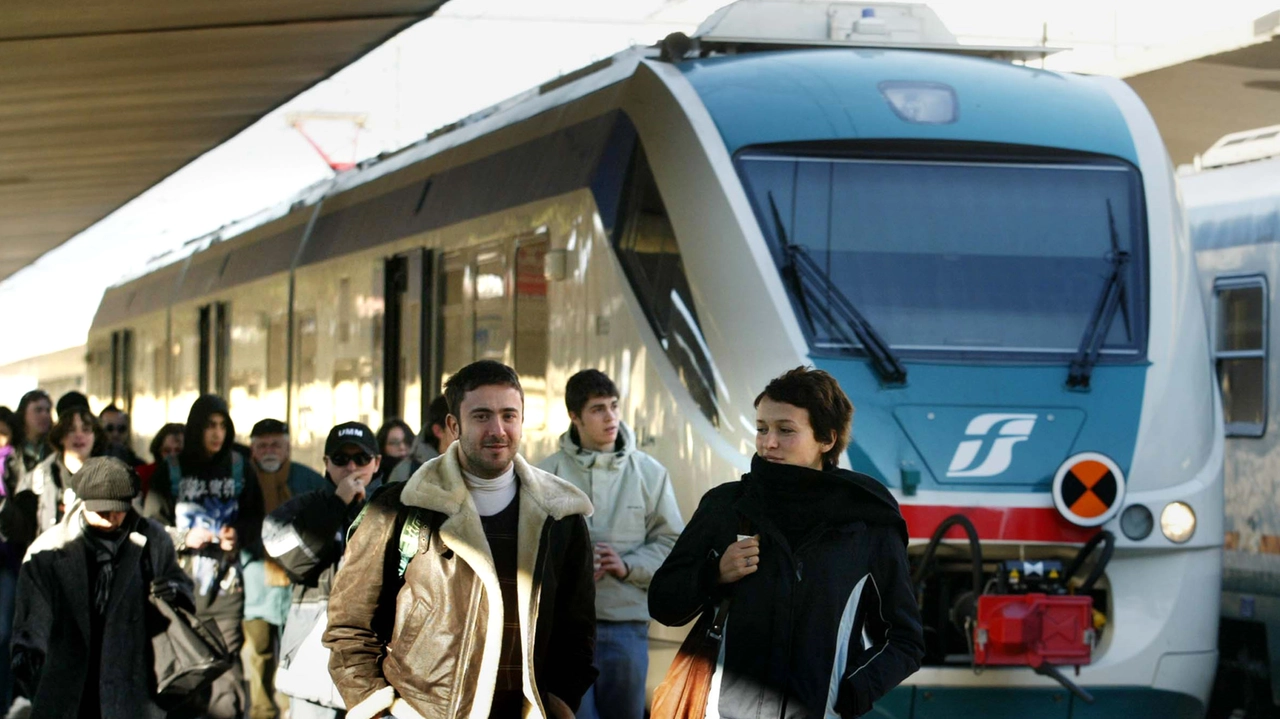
[101, 100]
[1198, 92]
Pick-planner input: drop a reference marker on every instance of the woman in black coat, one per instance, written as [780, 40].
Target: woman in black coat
[823, 620]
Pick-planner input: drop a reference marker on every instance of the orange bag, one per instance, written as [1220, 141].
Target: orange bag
[684, 690]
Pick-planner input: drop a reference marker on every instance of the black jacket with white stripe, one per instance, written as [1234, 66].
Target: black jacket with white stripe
[823, 629]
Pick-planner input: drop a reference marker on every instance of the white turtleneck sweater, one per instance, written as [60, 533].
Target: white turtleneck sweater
[492, 495]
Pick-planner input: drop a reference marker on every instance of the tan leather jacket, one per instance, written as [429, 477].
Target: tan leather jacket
[428, 646]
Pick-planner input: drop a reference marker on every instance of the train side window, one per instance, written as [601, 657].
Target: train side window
[1240, 353]
[307, 345]
[646, 244]
[533, 327]
[532, 320]
[455, 320]
[492, 313]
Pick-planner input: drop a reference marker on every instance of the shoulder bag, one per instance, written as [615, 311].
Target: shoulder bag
[684, 690]
[188, 653]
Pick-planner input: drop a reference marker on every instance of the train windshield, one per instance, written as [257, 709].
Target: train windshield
[958, 258]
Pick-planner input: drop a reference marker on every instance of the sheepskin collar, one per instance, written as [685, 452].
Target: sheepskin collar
[439, 486]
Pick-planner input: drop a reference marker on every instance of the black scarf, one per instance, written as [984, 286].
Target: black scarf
[800, 500]
[104, 551]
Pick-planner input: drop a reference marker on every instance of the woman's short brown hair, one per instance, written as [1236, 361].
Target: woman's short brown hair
[87, 418]
[830, 411]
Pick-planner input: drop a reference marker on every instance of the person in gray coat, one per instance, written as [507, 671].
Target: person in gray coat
[81, 646]
[635, 525]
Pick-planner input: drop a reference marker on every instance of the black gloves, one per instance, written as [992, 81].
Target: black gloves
[164, 589]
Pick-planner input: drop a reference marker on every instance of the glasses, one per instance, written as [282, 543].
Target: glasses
[116, 428]
[342, 460]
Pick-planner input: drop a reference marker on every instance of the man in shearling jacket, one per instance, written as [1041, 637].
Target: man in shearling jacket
[467, 591]
[635, 525]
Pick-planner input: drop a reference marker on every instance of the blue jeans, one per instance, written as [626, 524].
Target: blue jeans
[622, 656]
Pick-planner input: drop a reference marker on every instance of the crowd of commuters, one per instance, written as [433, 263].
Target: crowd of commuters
[442, 574]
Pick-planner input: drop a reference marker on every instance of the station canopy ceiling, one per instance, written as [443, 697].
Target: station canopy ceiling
[102, 99]
[1228, 82]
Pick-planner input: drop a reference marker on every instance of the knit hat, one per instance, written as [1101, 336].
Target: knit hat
[106, 484]
[351, 433]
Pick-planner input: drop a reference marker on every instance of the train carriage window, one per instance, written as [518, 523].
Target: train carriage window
[492, 316]
[532, 320]
[277, 351]
[307, 345]
[1240, 353]
[532, 324]
[455, 320]
[646, 244]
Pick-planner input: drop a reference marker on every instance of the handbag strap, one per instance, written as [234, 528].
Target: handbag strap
[148, 572]
[716, 630]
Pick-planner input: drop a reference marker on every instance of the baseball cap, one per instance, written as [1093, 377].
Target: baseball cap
[269, 426]
[351, 433]
[106, 484]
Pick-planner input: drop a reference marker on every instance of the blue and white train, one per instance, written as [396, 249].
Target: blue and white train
[990, 258]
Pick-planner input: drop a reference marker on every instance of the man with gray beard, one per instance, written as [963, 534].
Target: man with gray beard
[267, 589]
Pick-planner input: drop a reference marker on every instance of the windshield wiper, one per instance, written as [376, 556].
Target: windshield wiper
[838, 314]
[1104, 312]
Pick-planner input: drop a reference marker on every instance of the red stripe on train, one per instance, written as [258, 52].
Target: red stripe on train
[1003, 524]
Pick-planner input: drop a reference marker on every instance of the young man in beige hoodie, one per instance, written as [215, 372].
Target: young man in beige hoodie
[635, 525]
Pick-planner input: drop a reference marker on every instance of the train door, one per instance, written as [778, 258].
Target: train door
[493, 305]
[475, 307]
[215, 344]
[122, 369]
[407, 350]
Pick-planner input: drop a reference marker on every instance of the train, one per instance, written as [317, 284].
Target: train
[1233, 207]
[992, 259]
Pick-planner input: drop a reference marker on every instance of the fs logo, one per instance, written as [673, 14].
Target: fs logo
[996, 434]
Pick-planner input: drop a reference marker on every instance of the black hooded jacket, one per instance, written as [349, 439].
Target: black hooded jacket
[210, 493]
[828, 623]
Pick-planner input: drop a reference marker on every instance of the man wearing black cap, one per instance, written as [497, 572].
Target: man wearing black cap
[307, 536]
[87, 572]
[266, 586]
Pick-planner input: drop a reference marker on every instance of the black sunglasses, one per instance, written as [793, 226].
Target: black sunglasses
[340, 460]
[116, 427]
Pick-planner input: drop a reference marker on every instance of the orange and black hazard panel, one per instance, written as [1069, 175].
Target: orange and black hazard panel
[1088, 489]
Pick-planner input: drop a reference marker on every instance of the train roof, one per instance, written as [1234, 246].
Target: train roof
[914, 38]
[996, 101]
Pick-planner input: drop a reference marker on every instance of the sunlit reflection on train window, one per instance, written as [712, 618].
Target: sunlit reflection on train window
[492, 314]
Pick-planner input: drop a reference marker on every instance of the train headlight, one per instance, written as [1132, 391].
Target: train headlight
[1136, 522]
[1178, 522]
[927, 103]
